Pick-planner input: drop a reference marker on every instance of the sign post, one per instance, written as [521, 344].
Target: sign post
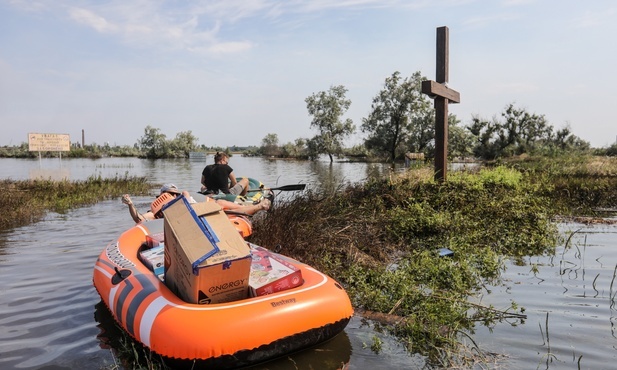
[49, 143]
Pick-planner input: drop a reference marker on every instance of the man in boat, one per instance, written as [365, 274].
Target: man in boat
[219, 177]
[170, 191]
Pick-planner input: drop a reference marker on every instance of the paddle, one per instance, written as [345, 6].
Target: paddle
[295, 187]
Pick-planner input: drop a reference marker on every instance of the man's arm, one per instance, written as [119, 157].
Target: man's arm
[132, 210]
[232, 180]
[134, 213]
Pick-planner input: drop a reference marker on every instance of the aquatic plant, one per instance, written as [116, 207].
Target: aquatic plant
[26, 201]
[577, 185]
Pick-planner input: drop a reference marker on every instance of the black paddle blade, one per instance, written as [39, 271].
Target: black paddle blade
[295, 187]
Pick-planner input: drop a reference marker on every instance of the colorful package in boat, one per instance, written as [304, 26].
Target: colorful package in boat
[154, 240]
[271, 274]
[206, 259]
[154, 259]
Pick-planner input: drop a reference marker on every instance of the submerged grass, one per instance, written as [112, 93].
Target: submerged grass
[26, 201]
[578, 185]
[380, 239]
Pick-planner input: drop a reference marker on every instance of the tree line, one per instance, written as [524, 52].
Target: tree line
[400, 121]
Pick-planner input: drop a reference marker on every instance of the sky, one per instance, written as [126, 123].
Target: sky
[233, 71]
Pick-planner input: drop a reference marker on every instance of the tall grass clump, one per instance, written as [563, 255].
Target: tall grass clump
[577, 185]
[26, 201]
[381, 240]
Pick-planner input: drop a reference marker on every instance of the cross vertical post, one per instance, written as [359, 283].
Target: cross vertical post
[443, 95]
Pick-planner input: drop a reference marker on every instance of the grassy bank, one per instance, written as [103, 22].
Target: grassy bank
[381, 240]
[26, 201]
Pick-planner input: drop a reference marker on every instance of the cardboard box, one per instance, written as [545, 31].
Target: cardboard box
[206, 259]
[270, 273]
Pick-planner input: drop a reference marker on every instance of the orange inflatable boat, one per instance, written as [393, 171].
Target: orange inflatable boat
[222, 335]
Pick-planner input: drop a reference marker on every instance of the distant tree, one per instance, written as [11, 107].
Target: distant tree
[327, 109]
[397, 111]
[358, 150]
[420, 137]
[611, 150]
[564, 141]
[18, 151]
[520, 132]
[218, 148]
[313, 147]
[184, 143]
[460, 141]
[123, 151]
[94, 149]
[153, 144]
[297, 149]
[270, 145]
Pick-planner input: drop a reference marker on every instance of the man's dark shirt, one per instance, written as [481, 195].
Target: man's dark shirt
[217, 177]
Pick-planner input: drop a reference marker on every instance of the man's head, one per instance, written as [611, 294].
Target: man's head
[170, 188]
[220, 157]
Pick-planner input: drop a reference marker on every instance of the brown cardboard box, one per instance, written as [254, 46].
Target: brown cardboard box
[270, 273]
[206, 259]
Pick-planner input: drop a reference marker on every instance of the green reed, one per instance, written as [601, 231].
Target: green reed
[26, 201]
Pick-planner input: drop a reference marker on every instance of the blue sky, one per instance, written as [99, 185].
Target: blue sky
[233, 71]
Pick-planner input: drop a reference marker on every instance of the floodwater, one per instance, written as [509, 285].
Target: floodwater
[50, 316]
[569, 300]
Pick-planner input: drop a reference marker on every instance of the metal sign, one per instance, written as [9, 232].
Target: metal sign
[49, 142]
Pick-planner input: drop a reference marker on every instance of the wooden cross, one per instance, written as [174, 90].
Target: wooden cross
[443, 95]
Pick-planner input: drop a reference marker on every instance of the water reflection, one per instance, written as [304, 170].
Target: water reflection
[187, 173]
[328, 175]
[50, 174]
[334, 354]
[569, 299]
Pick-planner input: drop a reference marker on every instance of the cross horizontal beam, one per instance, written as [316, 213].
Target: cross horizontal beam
[435, 89]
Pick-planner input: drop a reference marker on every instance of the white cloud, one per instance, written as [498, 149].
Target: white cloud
[90, 19]
[231, 10]
[202, 25]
